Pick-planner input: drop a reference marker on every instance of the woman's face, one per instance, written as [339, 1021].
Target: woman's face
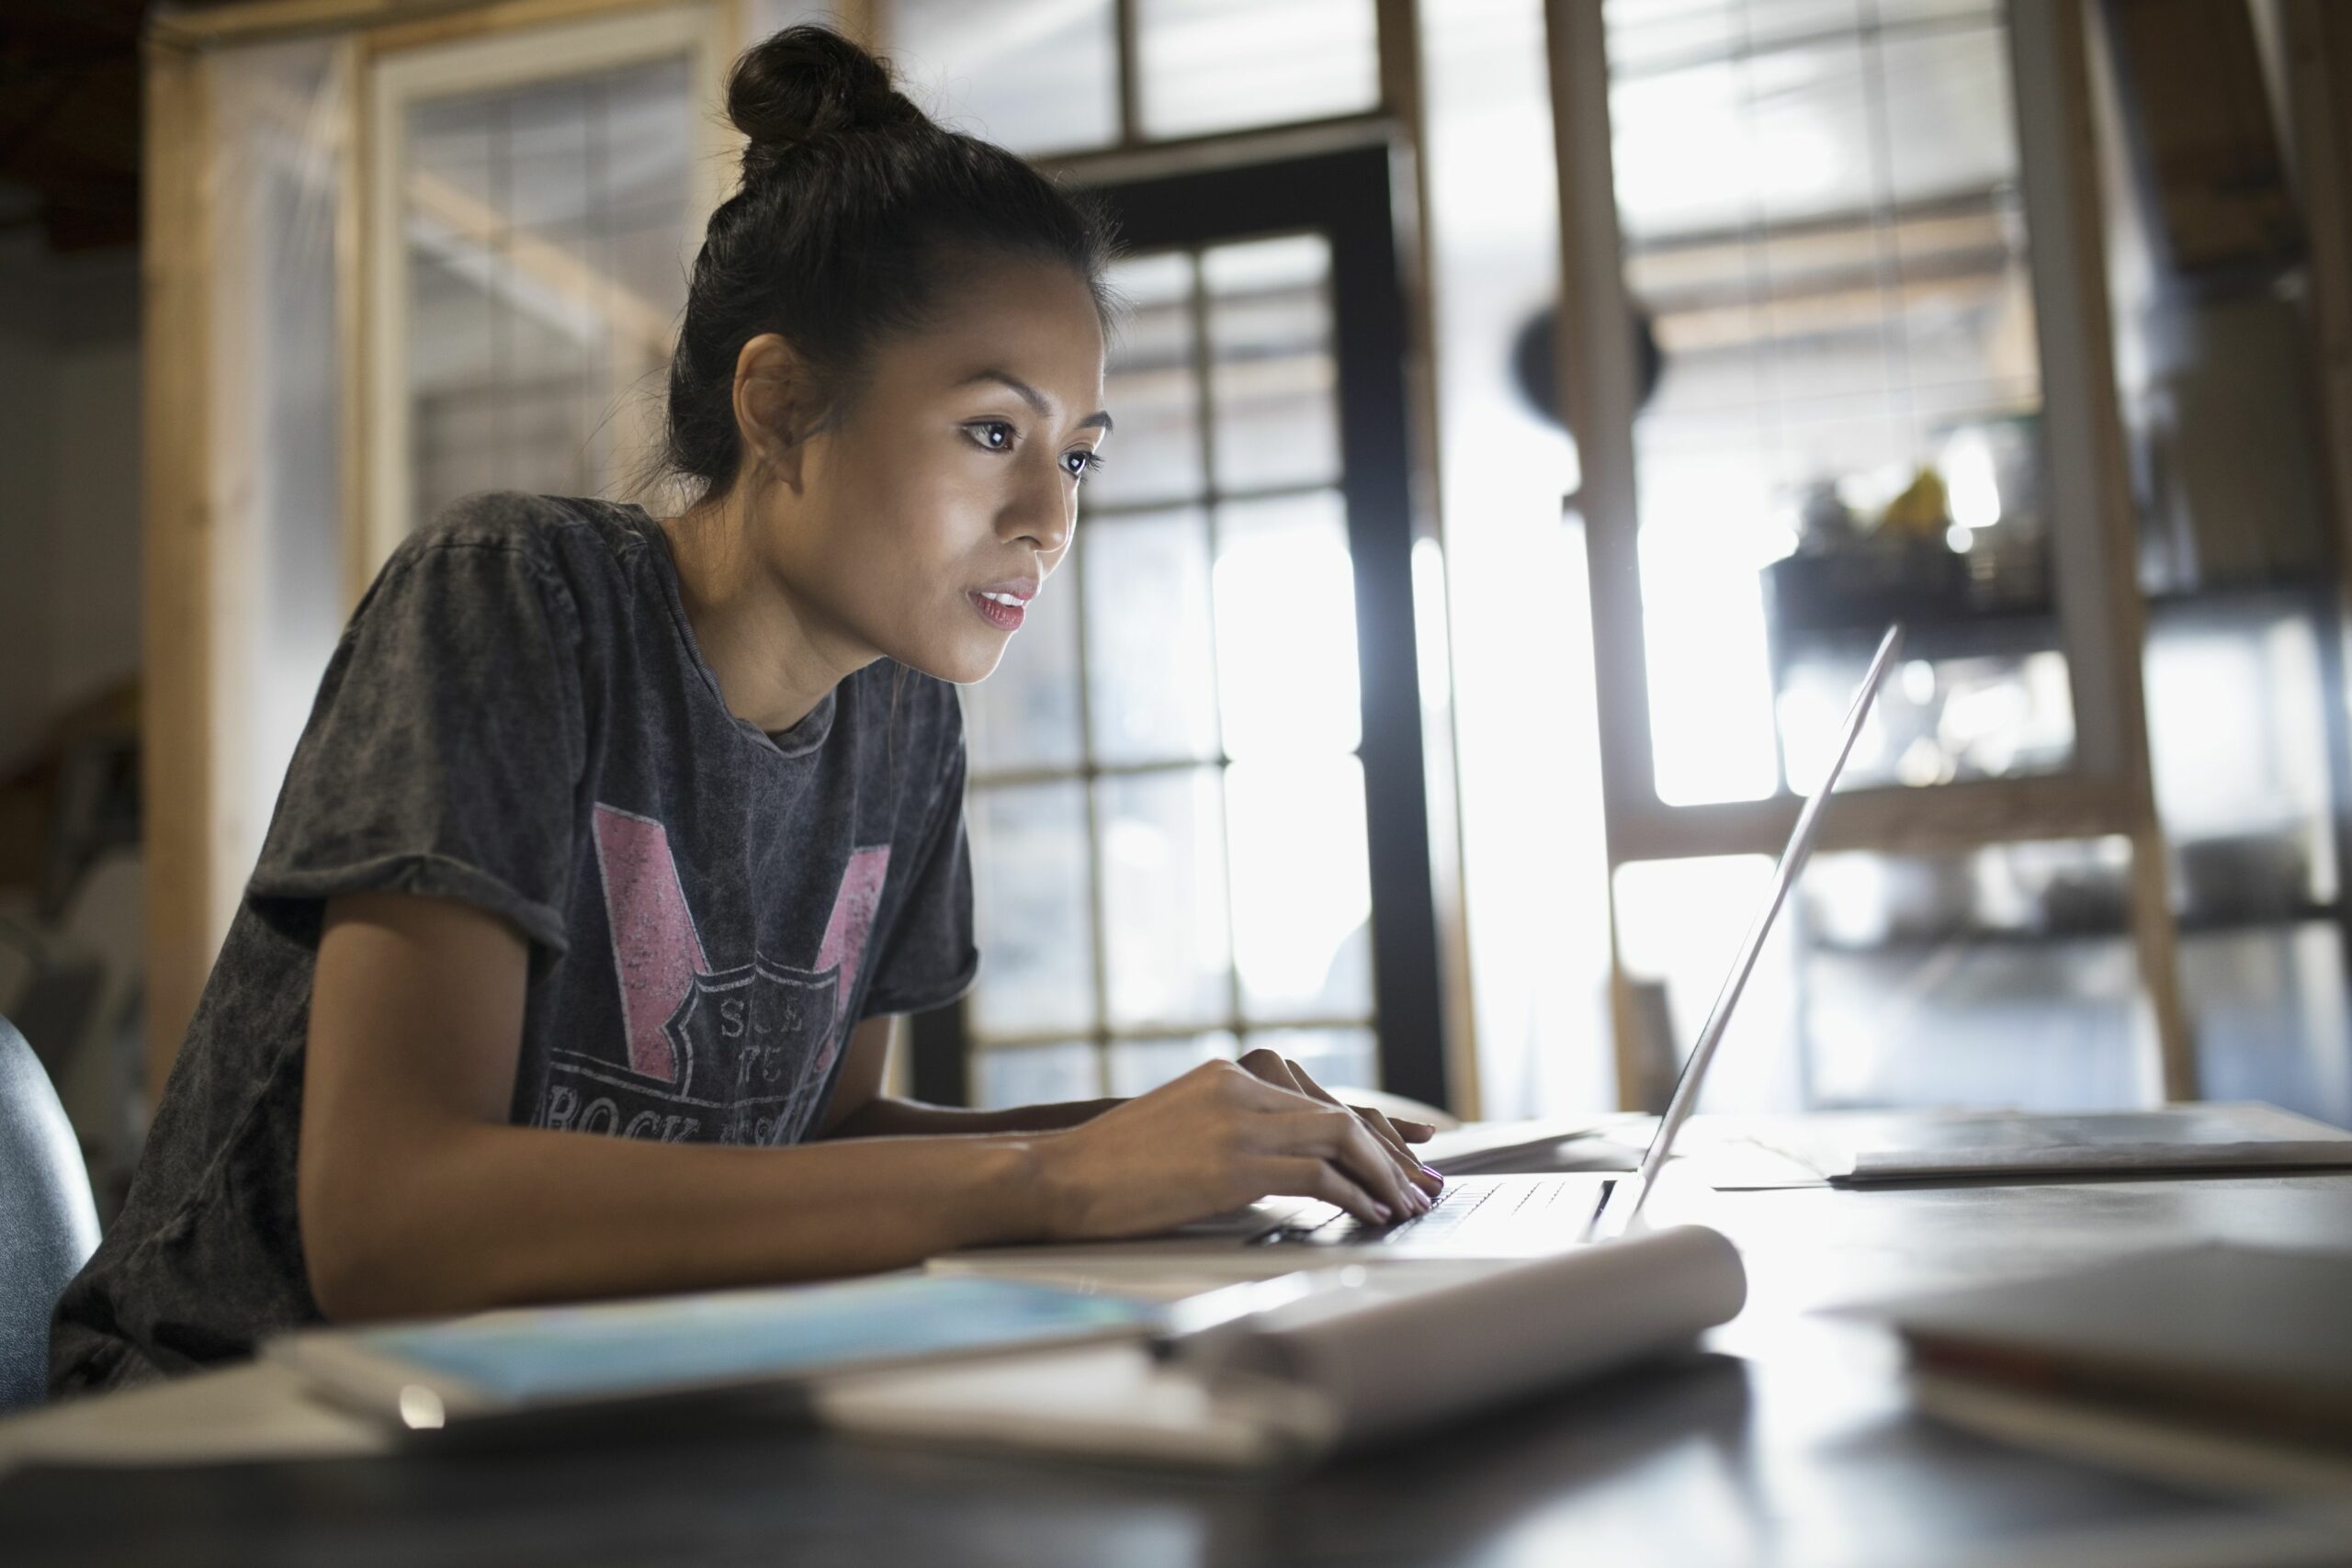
[934, 506]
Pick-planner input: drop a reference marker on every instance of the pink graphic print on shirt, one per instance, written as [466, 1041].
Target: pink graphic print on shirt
[846, 933]
[656, 950]
[665, 973]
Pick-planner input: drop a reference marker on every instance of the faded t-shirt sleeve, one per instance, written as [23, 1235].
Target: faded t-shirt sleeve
[442, 754]
[927, 959]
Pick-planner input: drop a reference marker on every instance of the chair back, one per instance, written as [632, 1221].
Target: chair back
[48, 1226]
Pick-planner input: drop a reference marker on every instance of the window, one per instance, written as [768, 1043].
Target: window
[1166, 809]
[535, 202]
[1064, 76]
[1823, 233]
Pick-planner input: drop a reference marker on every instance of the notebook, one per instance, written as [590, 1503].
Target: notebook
[2196, 1359]
[1855, 1151]
[522, 1361]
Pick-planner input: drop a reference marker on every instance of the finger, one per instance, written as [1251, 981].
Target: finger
[1420, 1175]
[1416, 1173]
[1340, 1138]
[1379, 1123]
[1424, 1180]
[1310, 1177]
[1277, 1085]
[1413, 1131]
[1395, 1143]
[1270, 1066]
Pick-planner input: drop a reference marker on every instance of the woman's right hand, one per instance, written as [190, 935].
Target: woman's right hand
[1215, 1140]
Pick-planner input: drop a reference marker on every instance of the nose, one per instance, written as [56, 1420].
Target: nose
[1041, 510]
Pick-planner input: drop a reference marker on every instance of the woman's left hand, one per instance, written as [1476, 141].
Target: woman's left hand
[1394, 1133]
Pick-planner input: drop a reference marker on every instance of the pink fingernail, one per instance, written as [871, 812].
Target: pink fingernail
[1383, 1211]
[1434, 1171]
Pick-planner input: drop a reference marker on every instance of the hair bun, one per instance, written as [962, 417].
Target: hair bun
[805, 83]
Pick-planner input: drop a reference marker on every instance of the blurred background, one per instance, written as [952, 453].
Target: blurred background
[1529, 416]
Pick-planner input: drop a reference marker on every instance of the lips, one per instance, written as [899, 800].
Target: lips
[1004, 604]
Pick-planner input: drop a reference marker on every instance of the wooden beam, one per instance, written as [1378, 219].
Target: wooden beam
[2098, 529]
[1597, 390]
[2316, 36]
[177, 581]
[404, 21]
[353, 248]
[1942, 819]
[1222, 149]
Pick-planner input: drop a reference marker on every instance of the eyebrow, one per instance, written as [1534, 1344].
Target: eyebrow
[1033, 398]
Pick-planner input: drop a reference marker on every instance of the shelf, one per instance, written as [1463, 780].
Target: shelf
[2233, 602]
[1990, 937]
[1991, 634]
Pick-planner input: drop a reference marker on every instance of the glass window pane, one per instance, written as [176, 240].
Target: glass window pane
[1646, 36]
[1151, 680]
[1153, 388]
[1950, 126]
[551, 138]
[1034, 76]
[1286, 627]
[1679, 925]
[1273, 373]
[1302, 890]
[547, 235]
[2000, 977]
[1217, 64]
[1820, 210]
[1163, 897]
[2241, 773]
[1026, 715]
[1033, 910]
[1936, 720]
[1035, 1075]
[1336, 1058]
[1138, 1066]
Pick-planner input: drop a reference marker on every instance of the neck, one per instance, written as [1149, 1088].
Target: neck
[774, 658]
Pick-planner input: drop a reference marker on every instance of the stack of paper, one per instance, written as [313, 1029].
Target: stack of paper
[1911, 1146]
[2215, 1364]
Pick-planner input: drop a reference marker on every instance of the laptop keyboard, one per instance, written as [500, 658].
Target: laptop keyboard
[1466, 1209]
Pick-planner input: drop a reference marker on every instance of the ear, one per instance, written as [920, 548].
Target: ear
[774, 405]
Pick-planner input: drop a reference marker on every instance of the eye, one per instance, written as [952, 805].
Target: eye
[1080, 463]
[995, 435]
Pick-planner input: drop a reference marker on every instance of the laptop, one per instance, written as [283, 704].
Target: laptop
[1476, 1218]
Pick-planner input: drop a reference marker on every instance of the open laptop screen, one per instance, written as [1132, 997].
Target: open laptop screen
[1626, 1197]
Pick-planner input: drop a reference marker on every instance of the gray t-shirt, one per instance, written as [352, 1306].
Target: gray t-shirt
[517, 718]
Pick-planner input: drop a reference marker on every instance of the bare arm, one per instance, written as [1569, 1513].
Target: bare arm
[860, 1110]
[416, 1196]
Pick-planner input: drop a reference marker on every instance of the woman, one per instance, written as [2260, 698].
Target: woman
[608, 825]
